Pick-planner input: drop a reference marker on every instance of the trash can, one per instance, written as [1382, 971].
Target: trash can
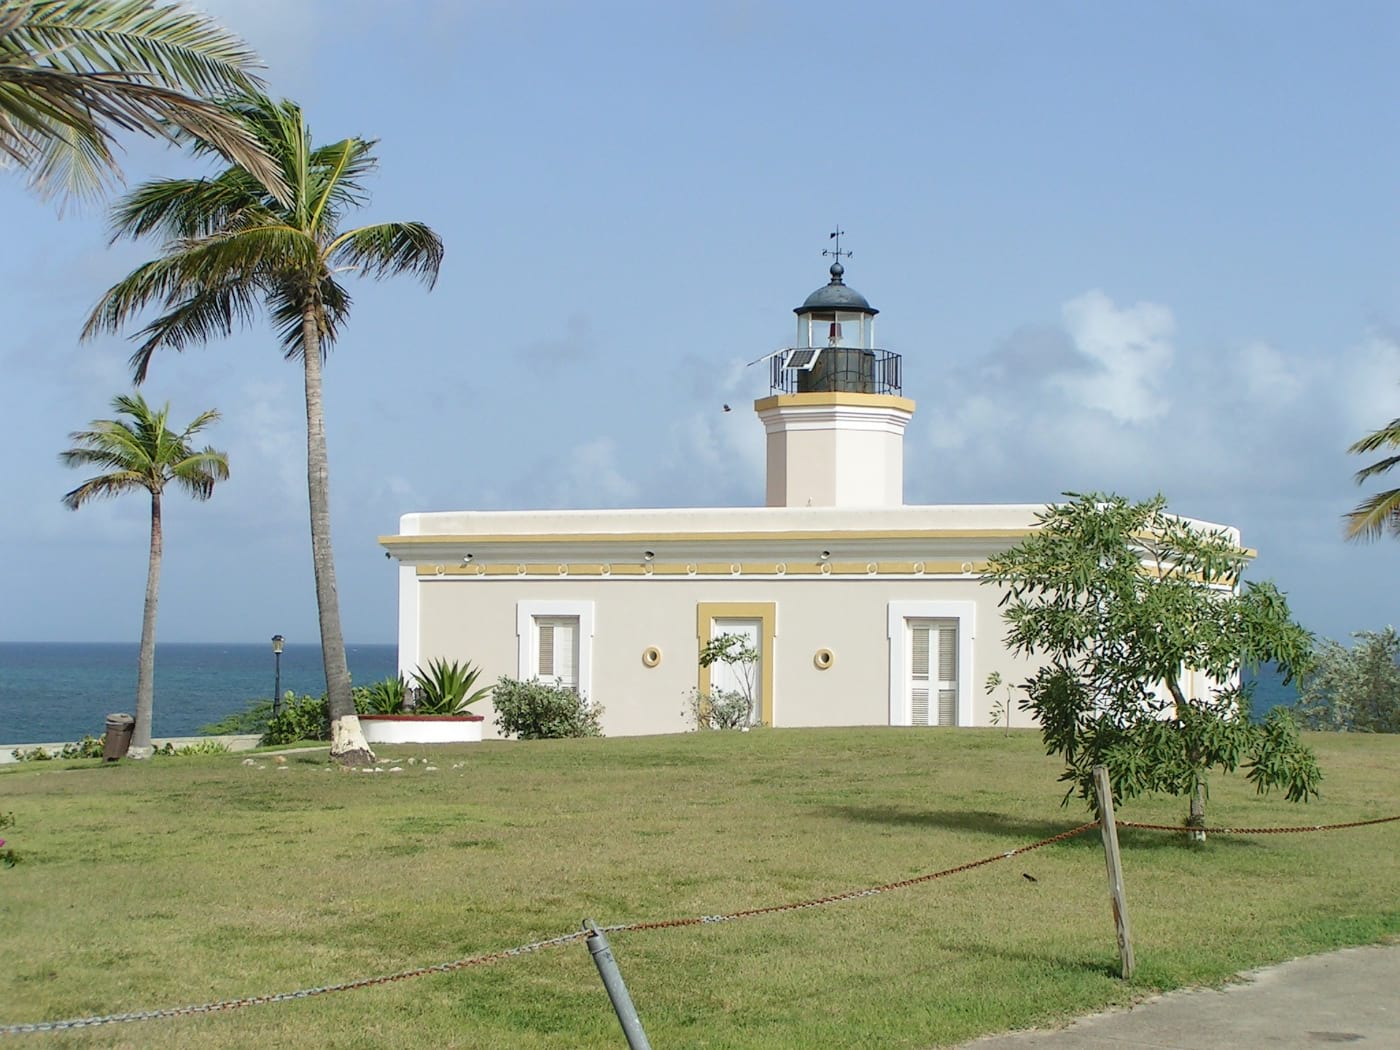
[117, 742]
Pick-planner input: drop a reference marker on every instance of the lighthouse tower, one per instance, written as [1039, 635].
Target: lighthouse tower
[835, 418]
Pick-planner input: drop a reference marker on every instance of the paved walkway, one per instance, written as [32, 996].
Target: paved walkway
[236, 742]
[1345, 998]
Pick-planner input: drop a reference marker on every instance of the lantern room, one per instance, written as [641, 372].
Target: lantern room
[835, 350]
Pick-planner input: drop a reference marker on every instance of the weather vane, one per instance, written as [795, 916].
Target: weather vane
[836, 236]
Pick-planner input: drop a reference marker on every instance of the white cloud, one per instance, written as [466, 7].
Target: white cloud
[1267, 376]
[1127, 351]
[592, 477]
[1369, 381]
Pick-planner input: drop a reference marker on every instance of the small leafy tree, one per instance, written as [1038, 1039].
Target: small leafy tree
[1142, 624]
[729, 708]
[1357, 689]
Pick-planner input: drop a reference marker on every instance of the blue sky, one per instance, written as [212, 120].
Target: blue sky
[1121, 247]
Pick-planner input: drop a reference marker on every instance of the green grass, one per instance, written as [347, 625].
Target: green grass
[187, 880]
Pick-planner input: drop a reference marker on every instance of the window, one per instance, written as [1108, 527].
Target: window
[555, 643]
[930, 663]
[556, 650]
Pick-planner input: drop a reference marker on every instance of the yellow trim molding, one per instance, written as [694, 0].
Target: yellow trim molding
[673, 570]
[821, 400]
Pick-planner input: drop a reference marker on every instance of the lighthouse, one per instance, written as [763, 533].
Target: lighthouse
[835, 417]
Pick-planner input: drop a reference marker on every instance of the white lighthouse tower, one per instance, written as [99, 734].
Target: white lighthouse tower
[835, 418]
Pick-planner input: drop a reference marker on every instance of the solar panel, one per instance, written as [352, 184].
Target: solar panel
[801, 360]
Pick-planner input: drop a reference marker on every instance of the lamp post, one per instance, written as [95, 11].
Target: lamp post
[277, 672]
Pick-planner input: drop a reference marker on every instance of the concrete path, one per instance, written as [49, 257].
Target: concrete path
[1345, 998]
[238, 742]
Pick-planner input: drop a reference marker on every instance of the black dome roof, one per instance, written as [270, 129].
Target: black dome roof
[836, 296]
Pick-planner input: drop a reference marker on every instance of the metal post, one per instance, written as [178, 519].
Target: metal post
[617, 990]
[276, 673]
[1109, 828]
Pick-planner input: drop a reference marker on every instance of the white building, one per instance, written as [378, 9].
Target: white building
[865, 611]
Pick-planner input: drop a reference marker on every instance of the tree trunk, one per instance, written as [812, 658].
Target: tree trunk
[1197, 820]
[146, 662]
[348, 744]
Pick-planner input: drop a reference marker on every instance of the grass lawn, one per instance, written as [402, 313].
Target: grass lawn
[180, 881]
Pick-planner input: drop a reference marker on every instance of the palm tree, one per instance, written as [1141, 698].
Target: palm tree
[230, 246]
[144, 453]
[74, 72]
[1380, 513]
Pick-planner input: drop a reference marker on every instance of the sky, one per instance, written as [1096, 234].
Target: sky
[1135, 248]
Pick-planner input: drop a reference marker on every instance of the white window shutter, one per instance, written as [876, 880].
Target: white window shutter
[919, 674]
[948, 673]
[566, 652]
[545, 665]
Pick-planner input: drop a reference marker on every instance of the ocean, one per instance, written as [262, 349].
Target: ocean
[65, 690]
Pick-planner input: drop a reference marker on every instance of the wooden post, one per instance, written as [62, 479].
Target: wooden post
[1115, 870]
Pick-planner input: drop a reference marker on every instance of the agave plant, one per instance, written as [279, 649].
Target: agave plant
[446, 688]
[386, 697]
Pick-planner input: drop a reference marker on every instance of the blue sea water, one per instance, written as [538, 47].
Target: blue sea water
[62, 690]
[65, 690]
[1269, 690]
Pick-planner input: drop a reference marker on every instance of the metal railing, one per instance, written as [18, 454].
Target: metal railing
[836, 369]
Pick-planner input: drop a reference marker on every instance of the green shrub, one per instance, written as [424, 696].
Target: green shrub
[535, 711]
[87, 747]
[8, 857]
[721, 709]
[308, 718]
[203, 747]
[301, 718]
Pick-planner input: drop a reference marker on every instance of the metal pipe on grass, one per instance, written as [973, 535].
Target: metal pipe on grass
[617, 990]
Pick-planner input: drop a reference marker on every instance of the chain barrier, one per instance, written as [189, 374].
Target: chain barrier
[664, 924]
[524, 949]
[1256, 831]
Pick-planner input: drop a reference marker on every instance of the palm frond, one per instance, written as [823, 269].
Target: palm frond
[1388, 435]
[1379, 467]
[180, 209]
[75, 72]
[1375, 517]
[388, 249]
[202, 265]
[104, 487]
[179, 47]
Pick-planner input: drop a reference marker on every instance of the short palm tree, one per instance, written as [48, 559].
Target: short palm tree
[74, 72]
[142, 452]
[1381, 513]
[230, 246]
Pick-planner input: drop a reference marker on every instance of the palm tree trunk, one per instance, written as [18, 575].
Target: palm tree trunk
[146, 662]
[348, 744]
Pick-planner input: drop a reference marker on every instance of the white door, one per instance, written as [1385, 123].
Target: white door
[933, 672]
[745, 678]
